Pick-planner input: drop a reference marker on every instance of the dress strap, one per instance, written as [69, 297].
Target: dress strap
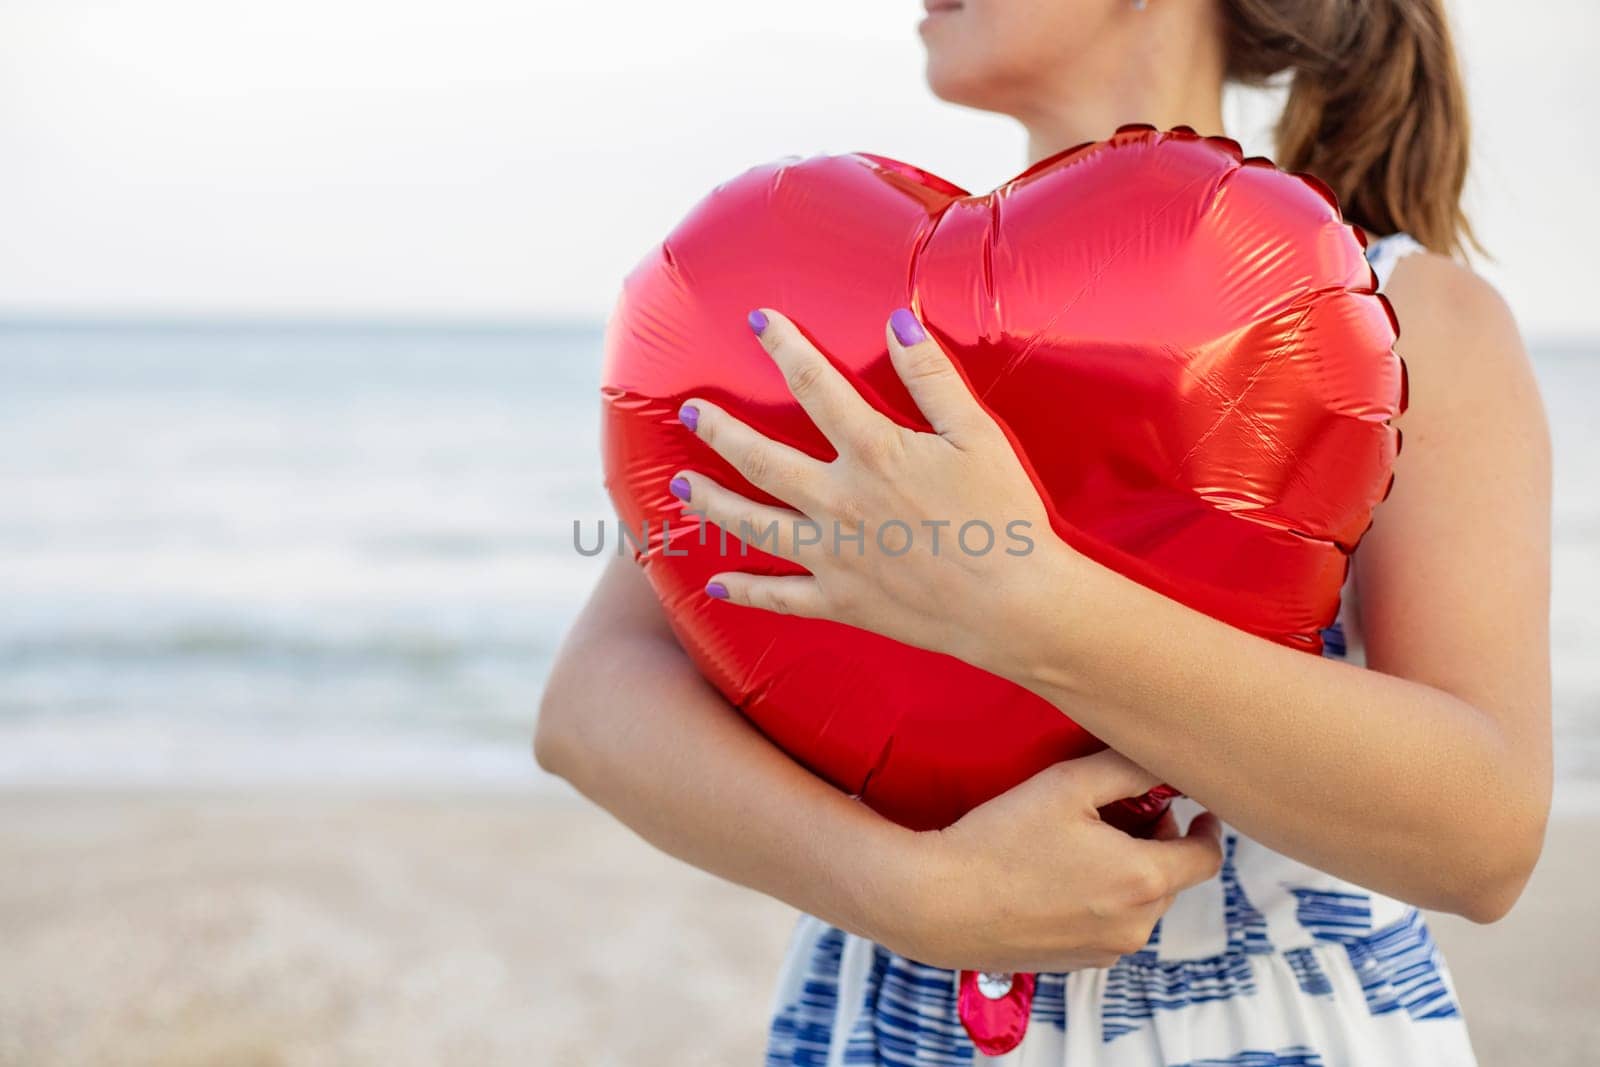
[1384, 253]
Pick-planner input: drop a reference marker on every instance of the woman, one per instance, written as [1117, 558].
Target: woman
[1351, 797]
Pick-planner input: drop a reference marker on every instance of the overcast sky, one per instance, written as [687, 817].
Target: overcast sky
[512, 159]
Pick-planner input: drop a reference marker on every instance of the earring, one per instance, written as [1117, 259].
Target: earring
[1140, 5]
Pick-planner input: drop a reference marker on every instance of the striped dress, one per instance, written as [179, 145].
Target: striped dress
[1270, 963]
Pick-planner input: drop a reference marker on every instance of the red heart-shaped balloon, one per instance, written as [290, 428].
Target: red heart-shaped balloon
[1184, 344]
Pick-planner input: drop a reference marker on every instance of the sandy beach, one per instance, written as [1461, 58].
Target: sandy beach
[282, 928]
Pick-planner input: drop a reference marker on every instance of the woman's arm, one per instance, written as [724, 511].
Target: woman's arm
[1030, 881]
[1427, 777]
[628, 721]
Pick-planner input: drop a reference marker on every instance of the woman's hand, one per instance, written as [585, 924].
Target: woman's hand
[1035, 881]
[1030, 880]
[923, 537]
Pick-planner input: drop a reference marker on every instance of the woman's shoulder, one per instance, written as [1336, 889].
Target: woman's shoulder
[1444, 297]
[1458, 335]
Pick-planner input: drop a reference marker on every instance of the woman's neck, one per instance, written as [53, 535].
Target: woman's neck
[1061, 129]
[1165, 67]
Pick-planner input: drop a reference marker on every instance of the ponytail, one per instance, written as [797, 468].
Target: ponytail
[1376, 106]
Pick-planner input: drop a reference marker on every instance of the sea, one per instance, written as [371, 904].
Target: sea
[254, 554]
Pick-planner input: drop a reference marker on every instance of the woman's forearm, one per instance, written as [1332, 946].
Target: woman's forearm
[1030, 880]
[1391, 783]
[630, 723]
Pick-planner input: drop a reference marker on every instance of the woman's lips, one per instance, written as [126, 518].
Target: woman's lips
[936, 8]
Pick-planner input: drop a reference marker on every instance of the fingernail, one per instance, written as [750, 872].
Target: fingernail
[689, 415]
[716, 591]
[680, 488]
[758, 321]
[906, 327]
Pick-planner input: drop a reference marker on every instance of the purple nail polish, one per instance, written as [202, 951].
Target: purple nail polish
[906, 327]
[758, 321]
[716, 591]
[679, 487]
[689, 415]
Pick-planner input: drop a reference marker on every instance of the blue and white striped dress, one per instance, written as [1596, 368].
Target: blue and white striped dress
[1270, 963]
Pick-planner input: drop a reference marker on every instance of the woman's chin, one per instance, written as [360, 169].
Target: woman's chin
[957, 83]
[954, 82]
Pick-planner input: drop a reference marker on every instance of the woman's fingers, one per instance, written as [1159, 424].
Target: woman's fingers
[787, 595]
[1191, 859]
[786, 473]
[840, 412]
[775, 531]
[1108, 776]
[1174, 862]
[941, 393]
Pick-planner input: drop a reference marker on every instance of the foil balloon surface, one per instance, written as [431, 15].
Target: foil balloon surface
[1184, 345]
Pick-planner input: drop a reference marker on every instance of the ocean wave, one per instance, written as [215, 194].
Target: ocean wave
[415, 649]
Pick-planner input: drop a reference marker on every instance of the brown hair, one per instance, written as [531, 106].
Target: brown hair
[1376, 107]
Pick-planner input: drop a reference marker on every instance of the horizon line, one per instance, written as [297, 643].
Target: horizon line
[442, 323]
[11, 319]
